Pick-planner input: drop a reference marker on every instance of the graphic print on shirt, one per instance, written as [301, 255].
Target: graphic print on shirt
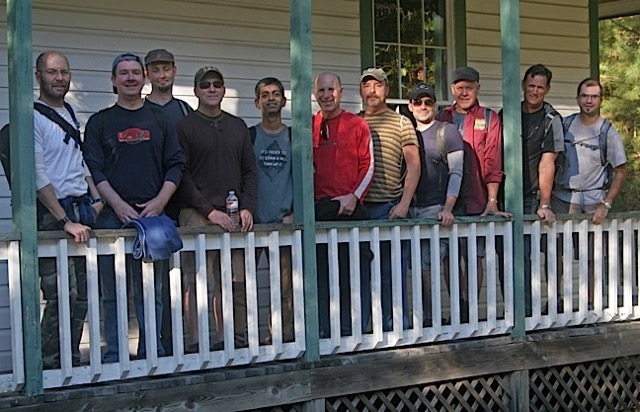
[133, 135]
[272, 159]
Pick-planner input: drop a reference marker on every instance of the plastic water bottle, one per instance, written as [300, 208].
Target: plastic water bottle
[232, 208]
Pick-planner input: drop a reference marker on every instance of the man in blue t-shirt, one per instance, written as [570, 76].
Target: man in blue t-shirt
[272, 148]
[440, 178]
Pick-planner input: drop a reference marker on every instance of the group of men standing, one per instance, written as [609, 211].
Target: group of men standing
[140, 156]
[134, 157]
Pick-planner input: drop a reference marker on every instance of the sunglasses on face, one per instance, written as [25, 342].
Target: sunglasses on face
[204, 85]
[427, 102]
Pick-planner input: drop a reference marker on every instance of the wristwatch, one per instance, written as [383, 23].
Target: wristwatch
[606, 204]
[545, 206]
[63, 221]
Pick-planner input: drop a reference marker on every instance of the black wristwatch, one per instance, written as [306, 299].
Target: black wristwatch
[63, 221]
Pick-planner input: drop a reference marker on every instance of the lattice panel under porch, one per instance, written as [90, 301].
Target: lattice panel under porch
[489, 393]
[607, 385]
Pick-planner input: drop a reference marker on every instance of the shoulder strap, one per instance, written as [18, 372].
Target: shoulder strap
[70, 131]
[440, 142]
[253, 132]
[603, 140]
[549, 114]
[184, 107]
[487, 118]
[568, 120]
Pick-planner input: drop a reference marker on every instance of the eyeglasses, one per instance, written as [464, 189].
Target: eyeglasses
[218, 84]
[324, 130]
[419, 103]
[589, 96]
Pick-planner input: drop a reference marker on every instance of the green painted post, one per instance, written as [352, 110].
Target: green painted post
[594, 39]
[367, 47]
[510, 42]
[23, 194]
[460, 32]
[301, 82]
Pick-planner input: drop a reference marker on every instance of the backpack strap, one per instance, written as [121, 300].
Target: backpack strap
[71, 132]
[487, 118]
[566, 123]
[441, 144]
[603, 141]
[184, 107]
[252, 134]
[549, 115]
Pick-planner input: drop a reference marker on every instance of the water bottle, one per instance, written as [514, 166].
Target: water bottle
[232, 208]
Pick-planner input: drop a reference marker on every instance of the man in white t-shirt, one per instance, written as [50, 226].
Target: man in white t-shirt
[68, 200]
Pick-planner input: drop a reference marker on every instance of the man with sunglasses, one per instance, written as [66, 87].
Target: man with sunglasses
[219, 159]
[136, 162]
[440, 179]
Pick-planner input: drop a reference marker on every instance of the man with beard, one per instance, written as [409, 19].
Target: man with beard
[135, 159]
[391, 192]
[219, 159]
[68, 200]
[593, 168]
[162, 71]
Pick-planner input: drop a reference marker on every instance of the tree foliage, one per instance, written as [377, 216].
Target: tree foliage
[620, 77]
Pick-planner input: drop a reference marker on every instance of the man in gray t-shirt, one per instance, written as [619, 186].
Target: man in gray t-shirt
[272, 147]
[583, 185]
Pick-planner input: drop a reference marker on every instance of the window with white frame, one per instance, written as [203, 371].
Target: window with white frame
[410, 40]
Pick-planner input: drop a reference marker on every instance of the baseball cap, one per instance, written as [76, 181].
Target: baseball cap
[374, 72]
[422, 89]
[158, 55]
[125, 57]
[465, 73]
[203, 72]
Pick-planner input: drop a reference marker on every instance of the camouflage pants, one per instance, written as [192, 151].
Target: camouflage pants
[77, 303]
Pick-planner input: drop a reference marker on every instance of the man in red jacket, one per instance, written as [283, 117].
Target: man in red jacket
[481, 129]
[343, 170]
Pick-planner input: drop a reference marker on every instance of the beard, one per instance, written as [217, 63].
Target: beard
[167, 88]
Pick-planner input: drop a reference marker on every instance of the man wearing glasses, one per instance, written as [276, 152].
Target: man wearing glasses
[219, 159]
[136, 163]
[343, 165]
[440, 178]
[593, 168]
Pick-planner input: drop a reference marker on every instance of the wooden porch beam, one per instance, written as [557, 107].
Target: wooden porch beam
[303, 206]
[23, 193]
[510, 42]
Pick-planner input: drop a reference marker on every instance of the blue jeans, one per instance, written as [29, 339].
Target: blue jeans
[106, 270]
[380, 211]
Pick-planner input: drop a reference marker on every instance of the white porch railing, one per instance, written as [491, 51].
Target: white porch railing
[561, 282]
[490, 310]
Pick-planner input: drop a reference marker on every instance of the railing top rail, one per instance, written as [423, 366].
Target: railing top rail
[406, 222]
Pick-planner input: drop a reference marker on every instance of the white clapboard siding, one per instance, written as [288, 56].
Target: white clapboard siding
[553, 33]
